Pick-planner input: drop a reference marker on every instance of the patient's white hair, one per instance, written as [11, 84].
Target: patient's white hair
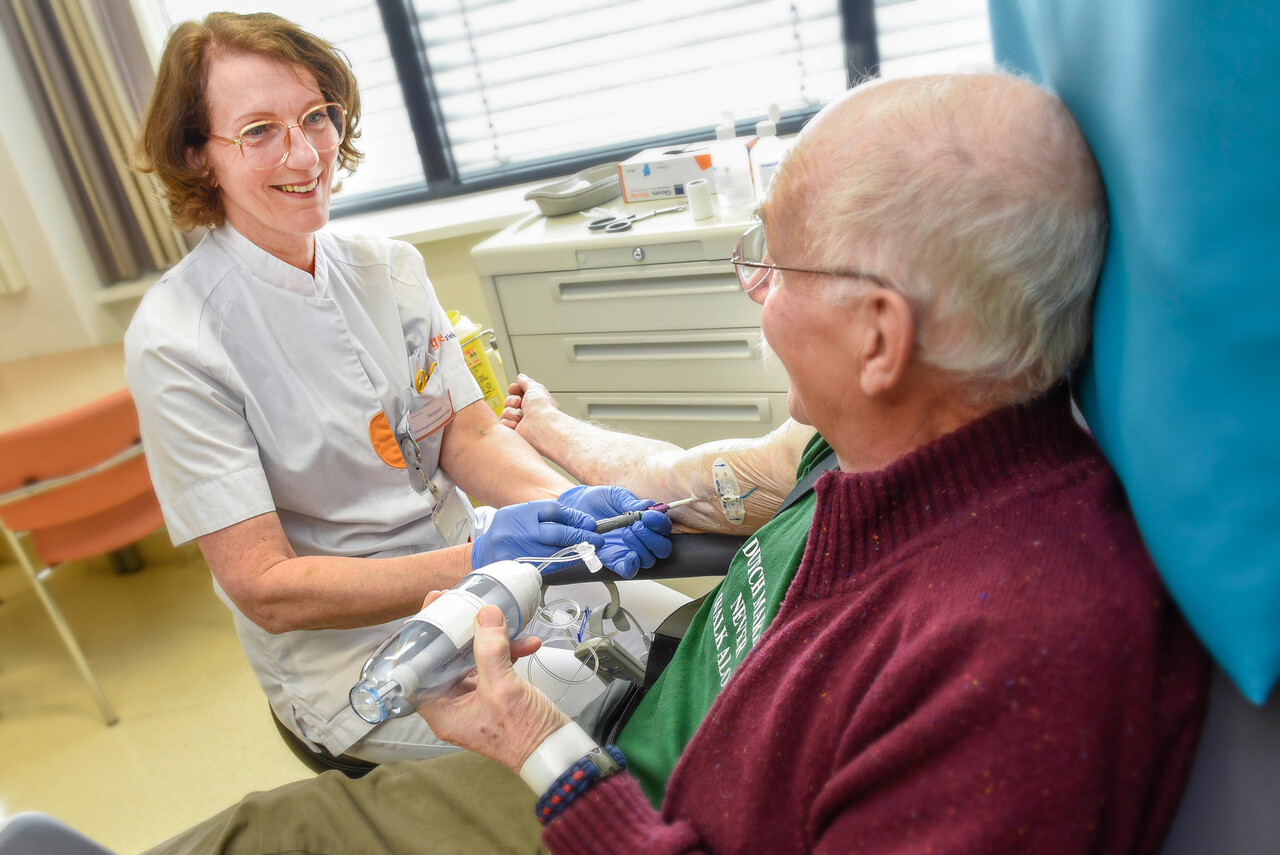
[977, 197]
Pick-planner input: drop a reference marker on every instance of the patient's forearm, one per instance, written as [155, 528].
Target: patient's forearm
[658, 470]
[595, 455]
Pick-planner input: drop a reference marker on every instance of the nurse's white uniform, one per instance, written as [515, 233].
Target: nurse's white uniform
[262, 388]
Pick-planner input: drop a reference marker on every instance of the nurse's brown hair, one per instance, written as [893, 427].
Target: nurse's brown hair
[177, 119]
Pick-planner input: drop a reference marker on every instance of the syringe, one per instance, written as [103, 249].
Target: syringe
[623, 520]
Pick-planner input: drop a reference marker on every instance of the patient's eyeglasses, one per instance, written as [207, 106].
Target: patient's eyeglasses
[265, 145]
[752, 264]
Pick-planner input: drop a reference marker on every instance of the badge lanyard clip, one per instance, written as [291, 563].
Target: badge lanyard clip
[413, 457]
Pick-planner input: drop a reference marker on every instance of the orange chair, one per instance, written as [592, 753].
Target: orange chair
[77, 485]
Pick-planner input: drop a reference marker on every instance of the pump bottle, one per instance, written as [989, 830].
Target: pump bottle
[432, 651]
[732, 167]
[767, 151]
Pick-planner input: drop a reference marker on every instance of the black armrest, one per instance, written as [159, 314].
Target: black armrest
[691, 555]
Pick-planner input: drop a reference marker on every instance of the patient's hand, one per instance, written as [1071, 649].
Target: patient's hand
[495, 713]
[528, 403]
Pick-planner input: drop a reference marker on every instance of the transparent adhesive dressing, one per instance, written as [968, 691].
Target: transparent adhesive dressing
[726, 485]
[432, 651]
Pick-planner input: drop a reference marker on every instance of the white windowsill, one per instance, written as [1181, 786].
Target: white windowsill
[442, 219]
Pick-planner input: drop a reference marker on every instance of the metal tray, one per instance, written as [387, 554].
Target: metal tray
[586, 189]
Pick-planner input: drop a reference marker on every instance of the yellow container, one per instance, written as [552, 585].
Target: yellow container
[483, 358]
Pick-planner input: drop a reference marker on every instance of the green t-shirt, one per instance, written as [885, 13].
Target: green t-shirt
[730, 622]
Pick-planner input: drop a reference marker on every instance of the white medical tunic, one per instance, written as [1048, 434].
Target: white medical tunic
[262, 388]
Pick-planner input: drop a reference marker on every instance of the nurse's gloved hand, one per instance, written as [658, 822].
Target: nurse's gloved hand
[534, 529]
[602, 502]
[628, 549]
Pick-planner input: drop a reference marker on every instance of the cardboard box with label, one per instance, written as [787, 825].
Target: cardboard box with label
[662, 173]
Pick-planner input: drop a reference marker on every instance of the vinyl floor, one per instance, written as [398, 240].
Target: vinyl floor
[195, 732]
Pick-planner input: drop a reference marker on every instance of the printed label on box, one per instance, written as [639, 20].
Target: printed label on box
[662, 173]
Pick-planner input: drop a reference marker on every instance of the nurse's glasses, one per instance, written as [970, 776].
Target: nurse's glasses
[751, 263]
[265, 145]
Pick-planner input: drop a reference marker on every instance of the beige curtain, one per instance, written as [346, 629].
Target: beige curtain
[12, 279]
[87, 70]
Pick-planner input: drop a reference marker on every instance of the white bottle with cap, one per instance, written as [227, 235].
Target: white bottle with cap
[432, 650]
[732, 168]
[767, 151]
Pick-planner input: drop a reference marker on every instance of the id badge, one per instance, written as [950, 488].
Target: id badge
[431, 416]
[450, 516]
[424, 415]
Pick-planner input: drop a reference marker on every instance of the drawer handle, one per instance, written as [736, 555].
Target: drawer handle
[676, 412]
[664, 350]
[657, 287]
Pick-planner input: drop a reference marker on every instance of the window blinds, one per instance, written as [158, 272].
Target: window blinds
[925, 36]
[526, 81]
[521, 83]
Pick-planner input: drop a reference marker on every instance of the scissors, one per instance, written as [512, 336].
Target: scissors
[615, 223]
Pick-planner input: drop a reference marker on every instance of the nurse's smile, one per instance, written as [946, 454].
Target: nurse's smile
[298, 188]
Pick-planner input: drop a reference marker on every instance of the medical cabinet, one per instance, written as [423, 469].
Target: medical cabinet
[644, 331]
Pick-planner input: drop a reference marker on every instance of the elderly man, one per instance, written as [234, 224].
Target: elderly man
[974, 653]
[957, 642]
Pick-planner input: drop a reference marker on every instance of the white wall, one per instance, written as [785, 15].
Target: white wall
[58, 311]
[454, 277]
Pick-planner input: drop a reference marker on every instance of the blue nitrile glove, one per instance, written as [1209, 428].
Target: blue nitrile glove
[538, 529]
[626, 550]
[640, 545]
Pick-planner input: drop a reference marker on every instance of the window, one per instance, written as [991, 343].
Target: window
[460, 95]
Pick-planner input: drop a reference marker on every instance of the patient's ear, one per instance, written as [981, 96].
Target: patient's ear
[889, 338]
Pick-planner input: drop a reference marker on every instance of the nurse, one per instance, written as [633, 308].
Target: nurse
[306, 411]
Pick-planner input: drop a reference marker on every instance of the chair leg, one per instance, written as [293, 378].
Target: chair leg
[125, 560]
[64, 630]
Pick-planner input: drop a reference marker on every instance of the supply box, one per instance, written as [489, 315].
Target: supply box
[661, 173]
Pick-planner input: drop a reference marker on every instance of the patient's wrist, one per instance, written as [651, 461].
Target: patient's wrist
[547, 429]
[554, 755]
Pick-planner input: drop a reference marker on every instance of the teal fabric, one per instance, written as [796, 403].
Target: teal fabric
[1180, 100]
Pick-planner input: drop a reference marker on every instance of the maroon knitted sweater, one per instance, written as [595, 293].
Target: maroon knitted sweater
[975, 656]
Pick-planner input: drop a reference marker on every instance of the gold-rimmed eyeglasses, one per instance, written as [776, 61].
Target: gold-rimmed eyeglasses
[752, 264]
[265, 145]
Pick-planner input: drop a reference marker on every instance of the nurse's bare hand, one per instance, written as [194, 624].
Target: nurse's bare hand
[528, 401]
[495, 713]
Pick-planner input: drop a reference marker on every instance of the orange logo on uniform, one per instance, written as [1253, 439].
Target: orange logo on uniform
[383, 439]
[437, 340]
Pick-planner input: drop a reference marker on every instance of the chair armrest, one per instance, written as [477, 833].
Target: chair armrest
[691, 555]
[28, 490]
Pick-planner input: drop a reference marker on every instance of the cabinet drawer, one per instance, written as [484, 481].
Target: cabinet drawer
[685, 419]
[724, 360]
[659, 296]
